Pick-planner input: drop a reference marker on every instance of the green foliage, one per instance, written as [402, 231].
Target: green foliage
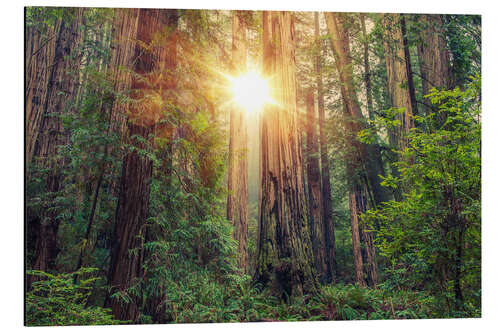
[426, 242]
[349, 302]
[463, 35]
[424, 236]
[55, 300]
[210, 302]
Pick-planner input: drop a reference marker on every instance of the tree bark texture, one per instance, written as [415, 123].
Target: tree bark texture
[284, 259]
[356, 239]
[150, 56]
[122, 56]
[44, 129]
[40, 47]
[434, 58]
[397, 77]
[409, 70]
[237, 200]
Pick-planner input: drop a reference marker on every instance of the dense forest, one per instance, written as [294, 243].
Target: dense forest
[188, 166]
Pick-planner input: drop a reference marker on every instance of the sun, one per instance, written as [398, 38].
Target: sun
[250, 91]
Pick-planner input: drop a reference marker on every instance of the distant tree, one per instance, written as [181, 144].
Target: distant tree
[237, 200]
[326, 195]
[316, 226]
[362, 171]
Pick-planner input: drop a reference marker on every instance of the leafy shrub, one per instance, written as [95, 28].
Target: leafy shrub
[55, 300]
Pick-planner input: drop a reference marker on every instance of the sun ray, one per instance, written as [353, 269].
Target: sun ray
[250, 91]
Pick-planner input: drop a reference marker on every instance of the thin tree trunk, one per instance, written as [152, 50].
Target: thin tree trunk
[409, 71]
[237, 200]
[316, 227]
[356, 243]
[284, 259]
[326, 196]
[366, 63]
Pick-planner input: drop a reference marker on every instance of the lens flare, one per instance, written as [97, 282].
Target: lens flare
[250, 91]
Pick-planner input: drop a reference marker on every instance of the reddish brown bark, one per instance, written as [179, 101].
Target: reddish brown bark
[284, 259]
[122, 52]
[40, 46]
[150, 56]
[409, 70]
[47, 132]
[356, 243]
[237, 200]
[397, 77]
[357, 205]
[434, 57]
[124, 29]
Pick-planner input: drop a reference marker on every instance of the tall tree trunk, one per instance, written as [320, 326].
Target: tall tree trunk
[316, 227]
[133, 202]
[366, 63]
[367, 237]
[50, 134]
[409, 71]
[326, 196]
[124, 28]
[237, 200]
[284, 258]
[40, 48]
[124, 33]
[434, 57]
[397, 77]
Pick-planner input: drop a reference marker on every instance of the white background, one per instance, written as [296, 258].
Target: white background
[12, 164]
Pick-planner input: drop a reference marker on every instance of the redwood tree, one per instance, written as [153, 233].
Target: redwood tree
[314, 189]
[397, 77]
[284, 259]
[48, 98]
[434, 57]
[237, 200]
[150, 56]
[326, 196]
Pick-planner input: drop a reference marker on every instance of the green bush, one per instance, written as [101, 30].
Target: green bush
[55, 300]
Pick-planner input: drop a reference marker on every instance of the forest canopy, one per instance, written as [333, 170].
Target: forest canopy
[188, 166]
